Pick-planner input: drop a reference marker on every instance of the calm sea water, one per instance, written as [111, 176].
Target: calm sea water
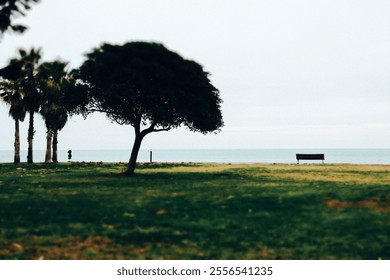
[362, 156]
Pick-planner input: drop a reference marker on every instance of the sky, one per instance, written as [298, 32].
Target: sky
[292, 74]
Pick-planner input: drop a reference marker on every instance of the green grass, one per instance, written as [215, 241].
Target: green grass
[195, 211]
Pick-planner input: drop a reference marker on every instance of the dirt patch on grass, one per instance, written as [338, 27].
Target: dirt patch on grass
[73, 248]
[380, 204]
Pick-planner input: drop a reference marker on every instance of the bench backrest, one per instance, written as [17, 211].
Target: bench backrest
[310, 156]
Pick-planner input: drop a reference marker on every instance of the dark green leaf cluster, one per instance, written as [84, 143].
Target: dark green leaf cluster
[39, 86]
[14, 97]
[53, 83]
[142, 83]
[18, 85]
[11, 8]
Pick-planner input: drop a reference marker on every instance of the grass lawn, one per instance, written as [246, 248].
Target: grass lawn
[195, 211]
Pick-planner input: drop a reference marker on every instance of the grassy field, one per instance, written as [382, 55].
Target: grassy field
[195, 211]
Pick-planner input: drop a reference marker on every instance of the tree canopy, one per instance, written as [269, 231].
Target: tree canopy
[151, 88]
[11, 8]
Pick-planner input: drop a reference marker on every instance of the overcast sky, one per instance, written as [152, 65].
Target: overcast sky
[292, 74]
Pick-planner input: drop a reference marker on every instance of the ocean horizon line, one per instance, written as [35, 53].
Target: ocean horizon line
[288, 155]
[187, 149]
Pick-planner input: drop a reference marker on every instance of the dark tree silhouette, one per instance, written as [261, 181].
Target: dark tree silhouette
[9, 9]
[20, 74]
[12, 94]
[53, 81]
[150, 88]
[32, 96]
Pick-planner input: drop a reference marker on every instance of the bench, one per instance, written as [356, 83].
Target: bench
[310, 157]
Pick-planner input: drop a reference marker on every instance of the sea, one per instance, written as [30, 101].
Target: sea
[354, 156]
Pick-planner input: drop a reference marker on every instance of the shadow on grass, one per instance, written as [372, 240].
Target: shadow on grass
[246, 213]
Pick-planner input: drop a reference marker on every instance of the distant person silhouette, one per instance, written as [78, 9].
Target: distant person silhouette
[69, 154]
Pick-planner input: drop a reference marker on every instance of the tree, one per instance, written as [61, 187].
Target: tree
[13, 96]
[33, 97]
[150, 88]
[53, 80]
[21, 75]
[11, 8]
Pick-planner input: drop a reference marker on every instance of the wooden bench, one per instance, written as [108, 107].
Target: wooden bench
[310, 157]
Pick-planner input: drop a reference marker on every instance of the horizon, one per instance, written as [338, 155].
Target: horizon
[232, 156]
[196, 149]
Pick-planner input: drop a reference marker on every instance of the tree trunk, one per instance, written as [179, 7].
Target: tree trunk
[49, 138]
[17, 143]
[134, 154]
[55, 142]
[139, 136]
[30, 138]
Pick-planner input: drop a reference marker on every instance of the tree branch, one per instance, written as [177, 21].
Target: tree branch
[161, 129]
[151, 129]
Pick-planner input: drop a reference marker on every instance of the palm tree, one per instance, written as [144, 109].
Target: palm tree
[14, 98]
[12, 94]
[20, 79]
[53, 80]
[32, 95]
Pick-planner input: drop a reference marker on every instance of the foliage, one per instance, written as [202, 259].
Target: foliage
[20, 75]
[18, 89]
[146, 83]
[150, 88]
[30, 61]
[12, 94]
[53, 83]
[9, 9]
[200, 211]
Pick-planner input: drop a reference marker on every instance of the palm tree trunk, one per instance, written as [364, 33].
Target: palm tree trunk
[17, 143]
[55, 142]
[49, 138]
[30, 138]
